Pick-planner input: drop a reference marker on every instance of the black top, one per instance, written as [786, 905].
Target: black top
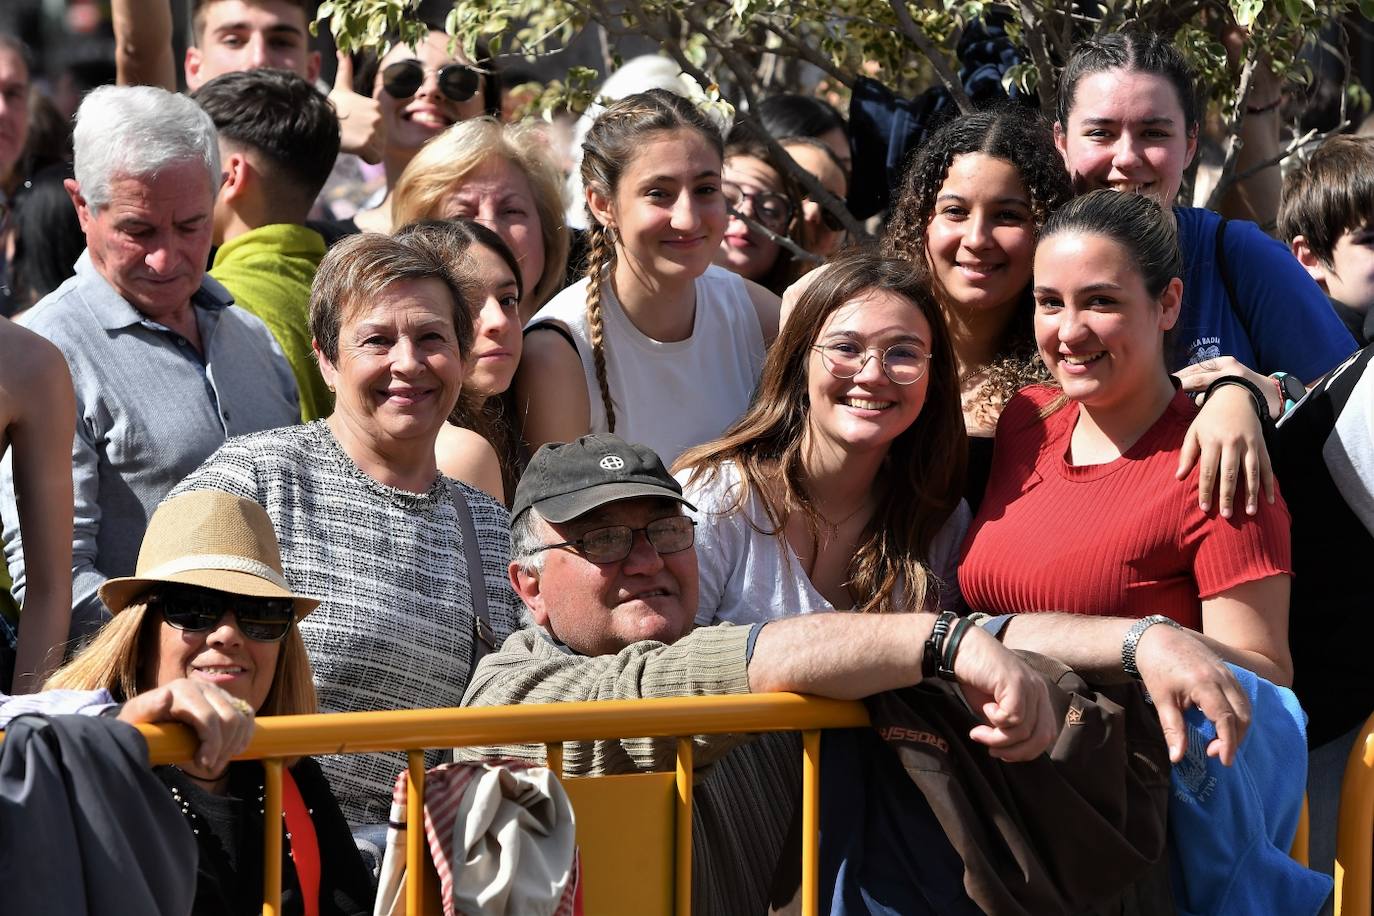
[228, 830]
[979, 470]
[333, 230]
[1330, 625]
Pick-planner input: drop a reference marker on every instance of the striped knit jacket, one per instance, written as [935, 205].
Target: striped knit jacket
[395, 627]
[746, 790]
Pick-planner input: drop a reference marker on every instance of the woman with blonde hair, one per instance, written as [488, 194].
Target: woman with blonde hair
[209, 603]
[503, 176]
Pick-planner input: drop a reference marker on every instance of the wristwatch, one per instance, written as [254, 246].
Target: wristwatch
[1128, 645]
[1291, 388]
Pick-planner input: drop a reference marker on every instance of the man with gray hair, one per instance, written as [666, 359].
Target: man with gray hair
[164, 366]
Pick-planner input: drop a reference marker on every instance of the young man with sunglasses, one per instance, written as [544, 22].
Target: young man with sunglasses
[603, 558]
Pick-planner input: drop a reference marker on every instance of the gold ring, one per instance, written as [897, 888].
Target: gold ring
[241, 706]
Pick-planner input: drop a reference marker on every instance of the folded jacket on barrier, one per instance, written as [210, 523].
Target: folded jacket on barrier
[85, 826]
[918, 819]
[1230, 828]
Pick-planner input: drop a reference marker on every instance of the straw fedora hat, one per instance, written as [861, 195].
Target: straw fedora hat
[211, 539]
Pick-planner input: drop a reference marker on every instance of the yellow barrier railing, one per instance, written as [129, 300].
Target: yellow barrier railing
[1355, 828]
[417, 729]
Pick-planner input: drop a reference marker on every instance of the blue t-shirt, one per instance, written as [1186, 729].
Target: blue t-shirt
[1282, 320]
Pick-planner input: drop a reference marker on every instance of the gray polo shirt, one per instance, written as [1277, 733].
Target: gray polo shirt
[149, 410]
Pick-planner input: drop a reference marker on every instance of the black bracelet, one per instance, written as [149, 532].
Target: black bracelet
[956, 637]
[1261, 109]
[935, 644]
[1261, 401]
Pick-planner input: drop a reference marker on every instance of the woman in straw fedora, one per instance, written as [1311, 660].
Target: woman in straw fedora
[208, 603]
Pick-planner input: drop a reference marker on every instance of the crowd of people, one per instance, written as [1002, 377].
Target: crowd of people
[455, 448]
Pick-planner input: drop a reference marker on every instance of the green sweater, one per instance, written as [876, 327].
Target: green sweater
[746, 790]
[268, 271]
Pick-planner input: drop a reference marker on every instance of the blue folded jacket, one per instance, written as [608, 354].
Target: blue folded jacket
[1230, 828]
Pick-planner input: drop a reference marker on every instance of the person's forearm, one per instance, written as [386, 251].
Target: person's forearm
[43, 627]
[143, 43]
[840, 655]
[1092, 645]
[1089, 645]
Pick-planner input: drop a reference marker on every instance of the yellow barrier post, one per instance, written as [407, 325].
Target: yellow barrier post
[415, 833]
[271, 839]
[1354, 836]
[1301, 838]
[682, 893]
[811, 824]
[553, 757]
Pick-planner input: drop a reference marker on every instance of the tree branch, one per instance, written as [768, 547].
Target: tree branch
[781, 240]
[1035, 40]
[947, 77]
[669, 42]
[1233, 142]
[811, 55]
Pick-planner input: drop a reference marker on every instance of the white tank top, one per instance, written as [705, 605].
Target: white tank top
[669, 395]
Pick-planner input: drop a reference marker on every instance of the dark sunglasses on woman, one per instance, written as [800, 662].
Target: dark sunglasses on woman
[197, 610]
[457, 82]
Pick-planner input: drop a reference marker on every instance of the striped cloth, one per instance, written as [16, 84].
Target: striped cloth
[502, 838]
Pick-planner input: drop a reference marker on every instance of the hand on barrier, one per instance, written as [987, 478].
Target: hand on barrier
[223, 723]
[1021, 724]
[1181, 671]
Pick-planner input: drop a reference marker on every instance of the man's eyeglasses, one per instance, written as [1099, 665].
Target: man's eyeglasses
[769, 208]
[457, 82]
[197, 610]
[614, 542]
[902, 363]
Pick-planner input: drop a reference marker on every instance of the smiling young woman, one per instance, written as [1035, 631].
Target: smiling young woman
[1127, 120]
[656, 344]
[1087, 470]
[840, 487]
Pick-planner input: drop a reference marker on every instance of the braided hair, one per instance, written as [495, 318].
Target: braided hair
[610, 147]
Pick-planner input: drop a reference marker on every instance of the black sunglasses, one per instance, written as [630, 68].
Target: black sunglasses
[196, 610]
[457, 82]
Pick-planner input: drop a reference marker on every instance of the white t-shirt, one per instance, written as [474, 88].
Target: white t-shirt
[670, 395]
[749, 575]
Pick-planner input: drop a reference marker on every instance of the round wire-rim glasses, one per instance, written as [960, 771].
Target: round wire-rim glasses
[846, 360]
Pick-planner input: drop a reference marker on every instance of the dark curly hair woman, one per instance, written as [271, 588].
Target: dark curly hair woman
[973, 201]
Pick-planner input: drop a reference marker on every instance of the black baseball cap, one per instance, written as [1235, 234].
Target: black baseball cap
[568, 479]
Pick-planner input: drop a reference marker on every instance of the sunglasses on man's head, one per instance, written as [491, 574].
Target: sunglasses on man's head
[198, 610]
[457, 82]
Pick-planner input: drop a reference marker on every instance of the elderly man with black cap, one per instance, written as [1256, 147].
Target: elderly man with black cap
[602, 556]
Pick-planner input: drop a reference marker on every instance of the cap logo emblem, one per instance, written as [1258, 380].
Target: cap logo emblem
[612, 462]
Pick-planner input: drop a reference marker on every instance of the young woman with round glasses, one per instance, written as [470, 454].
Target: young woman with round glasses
[758, 188]
[839, 488]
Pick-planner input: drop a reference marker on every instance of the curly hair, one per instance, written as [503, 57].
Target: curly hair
[1015, 135]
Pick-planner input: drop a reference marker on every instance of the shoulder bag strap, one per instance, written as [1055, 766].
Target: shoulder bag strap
[1224, 269]
[484, 637]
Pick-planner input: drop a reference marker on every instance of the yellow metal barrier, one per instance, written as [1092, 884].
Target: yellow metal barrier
[1355, 829]
[414, 730]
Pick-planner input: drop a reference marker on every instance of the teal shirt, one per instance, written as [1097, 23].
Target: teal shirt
[268, 271]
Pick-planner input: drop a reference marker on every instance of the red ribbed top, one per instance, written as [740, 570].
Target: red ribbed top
[1119, 539]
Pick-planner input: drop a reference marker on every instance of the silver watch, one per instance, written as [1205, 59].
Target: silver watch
[1128, 645]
